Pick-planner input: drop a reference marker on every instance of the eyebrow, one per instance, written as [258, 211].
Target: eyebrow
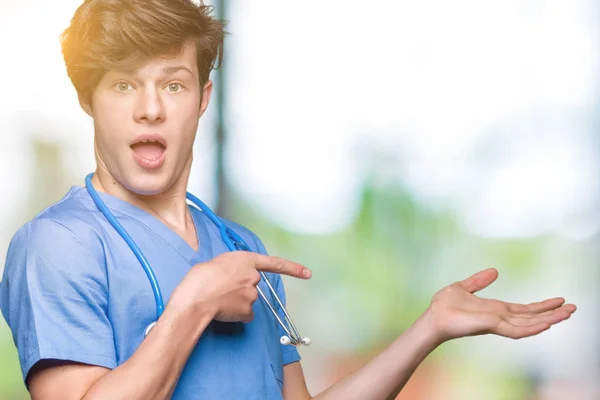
[166, 71]
[172, 70]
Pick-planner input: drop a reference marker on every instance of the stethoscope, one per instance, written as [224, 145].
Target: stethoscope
[232, 240]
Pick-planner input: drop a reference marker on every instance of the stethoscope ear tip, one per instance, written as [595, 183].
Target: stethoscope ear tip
[285, 340]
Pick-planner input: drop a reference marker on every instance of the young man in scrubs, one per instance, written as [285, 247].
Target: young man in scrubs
[77, 300]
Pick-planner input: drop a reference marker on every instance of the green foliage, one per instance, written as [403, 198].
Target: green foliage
[11, 383]
[390, 261]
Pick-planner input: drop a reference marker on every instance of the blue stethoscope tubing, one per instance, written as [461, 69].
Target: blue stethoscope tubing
[232, 240]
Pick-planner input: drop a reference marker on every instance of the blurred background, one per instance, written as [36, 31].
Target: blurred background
[392, 147]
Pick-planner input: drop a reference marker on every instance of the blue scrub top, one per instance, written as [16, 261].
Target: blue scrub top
[73, 290]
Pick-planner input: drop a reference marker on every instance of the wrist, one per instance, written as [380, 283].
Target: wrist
[193, 310]
[192, 318]
[193, 298]
[428, 329]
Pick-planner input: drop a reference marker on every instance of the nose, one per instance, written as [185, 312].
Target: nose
[150, 108]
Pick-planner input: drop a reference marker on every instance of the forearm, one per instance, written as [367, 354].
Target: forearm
[390, 369]
[153, 370]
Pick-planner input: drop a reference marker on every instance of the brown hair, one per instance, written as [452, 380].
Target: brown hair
[123, 34]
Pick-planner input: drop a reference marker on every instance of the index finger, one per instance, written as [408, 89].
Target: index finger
[537, 307]
[281, 266]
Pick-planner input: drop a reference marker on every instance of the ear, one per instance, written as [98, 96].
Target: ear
[85, 105]
[206, 93]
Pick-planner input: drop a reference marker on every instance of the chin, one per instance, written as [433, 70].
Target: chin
[148, 184]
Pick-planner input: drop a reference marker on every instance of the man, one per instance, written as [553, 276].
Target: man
[75, 297]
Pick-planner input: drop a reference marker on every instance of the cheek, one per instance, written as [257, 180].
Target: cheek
[109, 119]
[185, 118]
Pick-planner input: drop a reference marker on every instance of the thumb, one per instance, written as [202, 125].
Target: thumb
[480, 280]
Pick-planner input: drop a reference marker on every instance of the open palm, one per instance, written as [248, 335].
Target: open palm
[457, 312]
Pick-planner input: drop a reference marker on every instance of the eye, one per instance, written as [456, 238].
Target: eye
[123, 87]
[174, 87]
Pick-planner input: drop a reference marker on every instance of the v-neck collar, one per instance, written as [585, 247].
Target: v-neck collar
[160, 228]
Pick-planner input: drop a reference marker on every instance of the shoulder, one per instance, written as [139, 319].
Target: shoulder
[68, 225]
[75, 212]
[60, 248]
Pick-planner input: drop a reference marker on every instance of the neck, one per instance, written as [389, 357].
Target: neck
[169, 206]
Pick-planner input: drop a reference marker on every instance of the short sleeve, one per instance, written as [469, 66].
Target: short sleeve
[289, 353]
[54, 296]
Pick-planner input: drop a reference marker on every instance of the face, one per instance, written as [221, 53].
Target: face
[146, 120]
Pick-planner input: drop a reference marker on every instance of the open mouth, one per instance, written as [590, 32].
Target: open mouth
[150, 150]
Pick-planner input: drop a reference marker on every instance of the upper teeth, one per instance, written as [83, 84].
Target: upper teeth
[146, 141]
